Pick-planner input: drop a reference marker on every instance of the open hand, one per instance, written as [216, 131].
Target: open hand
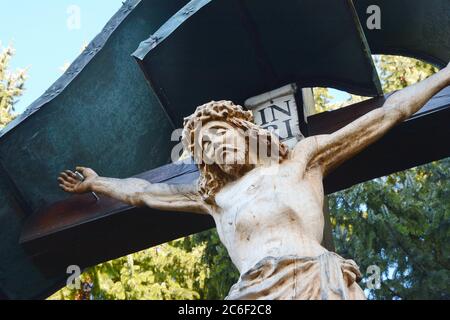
[69, 182]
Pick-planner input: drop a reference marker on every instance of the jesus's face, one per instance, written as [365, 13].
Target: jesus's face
[224, 145]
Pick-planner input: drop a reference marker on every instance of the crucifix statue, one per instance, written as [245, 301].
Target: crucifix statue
[267, 201]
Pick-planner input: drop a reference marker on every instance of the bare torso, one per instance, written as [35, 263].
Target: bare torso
[271, 211]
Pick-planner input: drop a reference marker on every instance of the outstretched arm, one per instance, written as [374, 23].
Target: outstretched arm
[136, 192]
[334, 149]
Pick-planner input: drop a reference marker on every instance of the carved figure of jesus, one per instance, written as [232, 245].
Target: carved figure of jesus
[268, 208]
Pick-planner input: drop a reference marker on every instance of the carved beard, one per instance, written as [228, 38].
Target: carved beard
[237, 167]
[235, 171]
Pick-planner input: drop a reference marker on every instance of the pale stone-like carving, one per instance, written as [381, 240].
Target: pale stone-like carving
[268, 210]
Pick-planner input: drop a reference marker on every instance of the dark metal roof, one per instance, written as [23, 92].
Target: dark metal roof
[413, 28]
[221, 49]
[199, 53]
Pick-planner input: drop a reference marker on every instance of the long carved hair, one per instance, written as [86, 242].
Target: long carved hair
[212, 178]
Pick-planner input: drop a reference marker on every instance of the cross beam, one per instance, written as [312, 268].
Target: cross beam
[85, 232]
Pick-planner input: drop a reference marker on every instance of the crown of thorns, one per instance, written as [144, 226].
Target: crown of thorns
[213, 111]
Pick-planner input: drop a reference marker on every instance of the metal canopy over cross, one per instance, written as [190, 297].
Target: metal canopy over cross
[117, 116]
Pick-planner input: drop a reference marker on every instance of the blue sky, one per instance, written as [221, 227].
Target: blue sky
[43, 34]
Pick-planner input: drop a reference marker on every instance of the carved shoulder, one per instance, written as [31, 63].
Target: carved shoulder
[305, 150]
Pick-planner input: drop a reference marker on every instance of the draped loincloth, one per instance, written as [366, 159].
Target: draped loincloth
[326, 277]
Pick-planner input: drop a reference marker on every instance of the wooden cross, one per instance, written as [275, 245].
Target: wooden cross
[104, 96]
[87, 231]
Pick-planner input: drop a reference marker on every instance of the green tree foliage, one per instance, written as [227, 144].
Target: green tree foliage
[167, 272]
[322, 99]
[399, 72]
[399, 223]
[11, 85]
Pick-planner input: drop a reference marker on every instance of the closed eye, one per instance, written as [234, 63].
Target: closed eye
[221, 132]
